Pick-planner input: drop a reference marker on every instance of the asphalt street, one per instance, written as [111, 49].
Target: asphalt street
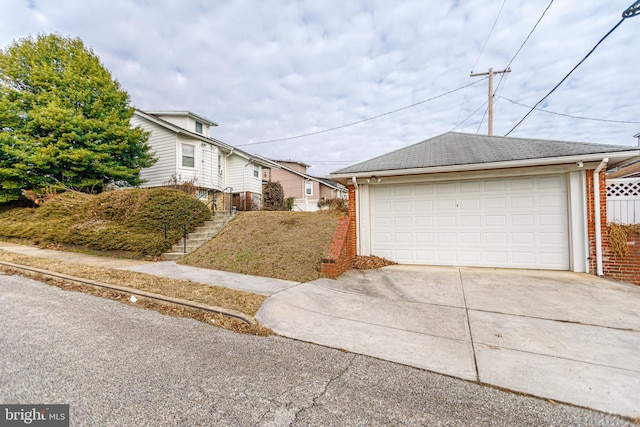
[118, 365]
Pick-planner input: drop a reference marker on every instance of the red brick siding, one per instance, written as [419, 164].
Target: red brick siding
[591, 224]
[627, 268]
[342, 250]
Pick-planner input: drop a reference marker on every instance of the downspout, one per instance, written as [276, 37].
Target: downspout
[225, 171]
[356, 195]
[244, 183]
[597, 214]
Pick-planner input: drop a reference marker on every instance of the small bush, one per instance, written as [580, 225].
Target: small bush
[618, 237]
[290, 202]
[273, 197]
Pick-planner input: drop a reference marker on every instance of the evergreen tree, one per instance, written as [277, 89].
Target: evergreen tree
[64, 121]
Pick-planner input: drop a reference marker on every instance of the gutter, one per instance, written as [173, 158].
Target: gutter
[492, 165]
[597, 215]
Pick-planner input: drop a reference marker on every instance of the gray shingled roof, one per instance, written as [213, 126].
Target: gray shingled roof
[455, 148]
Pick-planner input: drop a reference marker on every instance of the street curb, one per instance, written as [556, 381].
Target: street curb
[178, 301]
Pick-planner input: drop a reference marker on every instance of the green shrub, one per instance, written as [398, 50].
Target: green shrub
[123, 220]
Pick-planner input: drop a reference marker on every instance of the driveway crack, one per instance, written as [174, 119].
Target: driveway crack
[324, 390]
[466, 310]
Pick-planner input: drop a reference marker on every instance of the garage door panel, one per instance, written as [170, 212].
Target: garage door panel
[471, 257]
[424, 221]
[512, 222]
[494, 258]
[424, 238]
[445, 188]
[523, 238]
[382, 222]
[422, 189]
[470, 221]
[446, 221]
[470, 238]
[446, 205]
[403, 222]
[522, 202]
[521, 184]
[423, 205]
[470, 204]
[521, 220]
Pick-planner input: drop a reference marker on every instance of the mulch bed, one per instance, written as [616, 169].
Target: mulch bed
[371, 262]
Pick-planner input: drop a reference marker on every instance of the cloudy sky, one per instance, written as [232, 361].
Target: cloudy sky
[275, 69]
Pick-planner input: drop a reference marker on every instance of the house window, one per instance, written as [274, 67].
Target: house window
[308, 188]
[198, 127]
[219, 165]
[188, 155]
[256, 171]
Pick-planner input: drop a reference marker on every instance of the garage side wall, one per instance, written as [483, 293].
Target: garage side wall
[591, 223]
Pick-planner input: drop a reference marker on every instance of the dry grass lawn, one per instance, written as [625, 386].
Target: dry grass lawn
[282, 245]
[245, 302]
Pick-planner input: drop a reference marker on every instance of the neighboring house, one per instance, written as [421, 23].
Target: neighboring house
[307, 190]
[186, 152]
[485, 201]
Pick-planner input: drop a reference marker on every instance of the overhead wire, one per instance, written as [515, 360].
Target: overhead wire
[469, 116]
[504, 76]
[565, 77]
[573, 116]
[363, 120]
[464, 97]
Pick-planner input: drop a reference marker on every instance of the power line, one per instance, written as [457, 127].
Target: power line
[464, 97]
[567, 76]
[469, 116]
[502, 77]
[363, 120]
[572, 116]
[529, 35]
[489, 35]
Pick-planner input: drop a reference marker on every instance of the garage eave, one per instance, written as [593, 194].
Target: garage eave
[615, 159]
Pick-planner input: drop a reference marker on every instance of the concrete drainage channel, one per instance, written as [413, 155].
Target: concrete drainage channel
[176, 301]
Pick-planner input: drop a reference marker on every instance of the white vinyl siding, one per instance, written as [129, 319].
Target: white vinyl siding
[188, 155]
[162, 143]
[507, 222]
[240, 176]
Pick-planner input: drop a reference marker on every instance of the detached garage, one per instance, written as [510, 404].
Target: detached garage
[474, 200]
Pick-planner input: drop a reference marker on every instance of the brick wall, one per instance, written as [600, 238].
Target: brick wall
[591, 224]
[627, 268]
[342, 250]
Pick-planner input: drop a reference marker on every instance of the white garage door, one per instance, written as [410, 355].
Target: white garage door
[512, 222]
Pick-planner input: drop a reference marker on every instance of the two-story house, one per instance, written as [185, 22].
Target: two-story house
[186, 152]
[307, 190]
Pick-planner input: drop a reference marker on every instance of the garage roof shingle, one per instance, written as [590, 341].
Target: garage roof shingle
[455, 148]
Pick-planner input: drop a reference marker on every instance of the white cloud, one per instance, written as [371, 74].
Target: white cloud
[267, 70]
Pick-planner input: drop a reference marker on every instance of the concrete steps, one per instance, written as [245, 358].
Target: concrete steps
[198, 237]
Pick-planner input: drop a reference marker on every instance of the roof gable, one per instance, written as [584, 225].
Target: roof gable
[459, 149]
[221, 145]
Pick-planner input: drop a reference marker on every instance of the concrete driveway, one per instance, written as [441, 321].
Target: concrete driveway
[569, 337]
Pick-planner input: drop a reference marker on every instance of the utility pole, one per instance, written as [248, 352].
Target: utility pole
[490, 74]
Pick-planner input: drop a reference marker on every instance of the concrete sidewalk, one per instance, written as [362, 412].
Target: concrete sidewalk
[569, 337]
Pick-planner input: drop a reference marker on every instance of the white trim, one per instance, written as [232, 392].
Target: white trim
[493, 165]
[578, 245]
